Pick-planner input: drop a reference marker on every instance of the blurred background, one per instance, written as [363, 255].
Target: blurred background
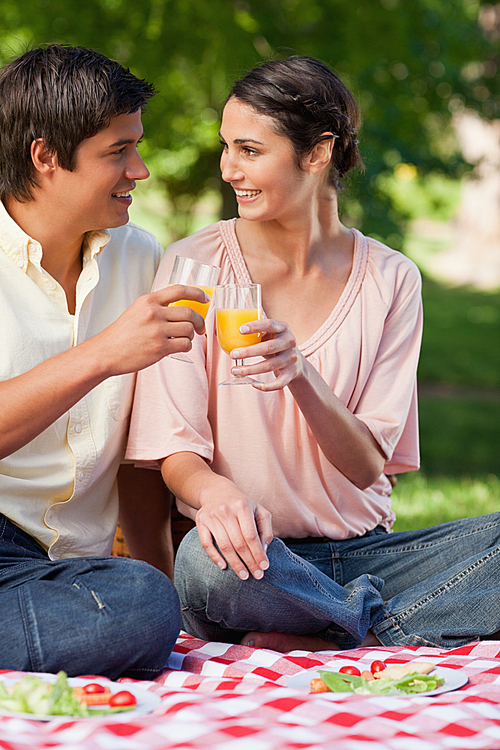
[426, 76]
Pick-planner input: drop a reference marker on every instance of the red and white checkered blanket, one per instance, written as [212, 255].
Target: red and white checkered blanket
[224, 697]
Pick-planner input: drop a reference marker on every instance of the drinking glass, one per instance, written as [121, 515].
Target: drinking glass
[236, 305]
[194, 273]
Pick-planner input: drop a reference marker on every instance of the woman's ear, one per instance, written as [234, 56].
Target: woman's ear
[44, 161]
[321, 155]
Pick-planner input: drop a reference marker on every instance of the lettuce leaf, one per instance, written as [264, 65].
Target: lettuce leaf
[410, 684]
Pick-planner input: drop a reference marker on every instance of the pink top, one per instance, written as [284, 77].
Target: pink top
[367, 351]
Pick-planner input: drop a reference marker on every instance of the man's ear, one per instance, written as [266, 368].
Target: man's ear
[321, 155]
[43, 160]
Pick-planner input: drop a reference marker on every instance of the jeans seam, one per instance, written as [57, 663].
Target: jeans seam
[447, 586]
[423, 641]
[30, 628]
[453, 538]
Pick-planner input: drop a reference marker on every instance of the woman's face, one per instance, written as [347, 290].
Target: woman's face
[260, 165]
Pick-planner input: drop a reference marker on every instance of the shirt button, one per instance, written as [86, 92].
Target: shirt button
[20, 263]
[78, 428]
[52, 285]
[81, 476]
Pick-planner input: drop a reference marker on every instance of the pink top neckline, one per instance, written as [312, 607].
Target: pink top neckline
[340, 311]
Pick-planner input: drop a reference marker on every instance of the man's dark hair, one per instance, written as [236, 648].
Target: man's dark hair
[62, 95]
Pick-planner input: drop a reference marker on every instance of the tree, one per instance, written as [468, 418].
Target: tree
[410, 63]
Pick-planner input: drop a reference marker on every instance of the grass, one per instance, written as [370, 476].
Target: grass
[421, 501]
[459, 436]
[460, 429]
[461, 336]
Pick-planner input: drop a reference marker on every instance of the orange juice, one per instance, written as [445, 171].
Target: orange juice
[228, 324]
[199, 307]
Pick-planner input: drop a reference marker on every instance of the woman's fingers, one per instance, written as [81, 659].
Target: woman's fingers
[230, 534]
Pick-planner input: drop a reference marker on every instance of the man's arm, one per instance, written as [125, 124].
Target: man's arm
[145, 517]
[145, 333]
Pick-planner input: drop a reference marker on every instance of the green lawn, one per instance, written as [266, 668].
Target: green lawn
[459, 431]
[461, 342]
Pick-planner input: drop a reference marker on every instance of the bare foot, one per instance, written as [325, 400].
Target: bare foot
[370, 640]
[285, 642]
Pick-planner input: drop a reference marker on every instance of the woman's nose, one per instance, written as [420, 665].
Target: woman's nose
[230, 169]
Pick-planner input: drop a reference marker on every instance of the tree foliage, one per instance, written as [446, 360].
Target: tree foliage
[410, 63]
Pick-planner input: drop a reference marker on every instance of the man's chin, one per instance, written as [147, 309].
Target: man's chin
[119, 221]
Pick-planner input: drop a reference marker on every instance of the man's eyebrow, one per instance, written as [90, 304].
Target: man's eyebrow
[125, 141]
[240, 141]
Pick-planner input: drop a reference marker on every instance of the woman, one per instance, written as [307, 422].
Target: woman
[287, 480]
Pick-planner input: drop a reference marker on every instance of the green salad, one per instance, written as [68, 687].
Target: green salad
[31, 695]
[413, 683]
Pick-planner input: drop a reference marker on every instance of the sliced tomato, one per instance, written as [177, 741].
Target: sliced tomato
[350, 669]
[123, 698]
[377, 666]
[94, 687]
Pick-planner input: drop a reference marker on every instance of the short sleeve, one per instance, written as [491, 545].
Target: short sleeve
[386, 401]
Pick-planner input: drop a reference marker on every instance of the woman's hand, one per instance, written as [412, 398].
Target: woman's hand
[279, 349]
[344, 439]
[242, 531]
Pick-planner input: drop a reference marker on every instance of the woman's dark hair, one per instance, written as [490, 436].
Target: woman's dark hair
[305, 99]
[62, 95]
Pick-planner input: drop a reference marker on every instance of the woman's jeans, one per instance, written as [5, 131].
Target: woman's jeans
[432, 587]
[88, 615]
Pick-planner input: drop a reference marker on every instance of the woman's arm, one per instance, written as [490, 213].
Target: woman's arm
[344, 439]
[240, 527]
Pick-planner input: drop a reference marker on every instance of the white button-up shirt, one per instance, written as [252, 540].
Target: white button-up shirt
[61, 487]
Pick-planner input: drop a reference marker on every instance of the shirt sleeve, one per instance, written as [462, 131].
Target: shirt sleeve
[386, 399]
[171, 400]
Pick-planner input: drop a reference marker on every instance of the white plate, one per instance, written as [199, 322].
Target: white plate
[146, 701]
[453, 679]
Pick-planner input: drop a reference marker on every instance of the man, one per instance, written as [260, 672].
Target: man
[76, 324]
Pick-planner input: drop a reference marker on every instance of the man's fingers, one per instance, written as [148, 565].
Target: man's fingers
[176, 292]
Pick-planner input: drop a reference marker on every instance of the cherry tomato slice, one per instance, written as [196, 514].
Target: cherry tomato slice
[377, 666]
[123, 698]
[94, 687]
[350, 669]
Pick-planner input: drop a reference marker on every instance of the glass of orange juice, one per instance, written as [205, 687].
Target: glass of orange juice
[234, 306]
[194, 273]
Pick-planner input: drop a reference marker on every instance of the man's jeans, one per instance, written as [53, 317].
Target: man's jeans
[432, 587]
[88, 615]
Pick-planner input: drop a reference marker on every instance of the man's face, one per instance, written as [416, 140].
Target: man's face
[96, 194]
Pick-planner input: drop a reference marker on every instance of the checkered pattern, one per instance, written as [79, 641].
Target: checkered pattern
[226, 697]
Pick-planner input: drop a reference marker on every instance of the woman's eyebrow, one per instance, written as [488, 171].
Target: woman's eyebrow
[239, 141]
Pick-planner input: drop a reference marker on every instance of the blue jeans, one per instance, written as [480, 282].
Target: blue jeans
[432, 587]
[88, 615]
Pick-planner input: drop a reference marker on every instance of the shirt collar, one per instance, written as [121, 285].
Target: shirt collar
[22, 249]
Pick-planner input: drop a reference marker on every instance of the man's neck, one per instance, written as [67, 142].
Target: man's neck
[62, 250]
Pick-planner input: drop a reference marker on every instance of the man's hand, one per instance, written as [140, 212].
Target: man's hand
[147, 331]
[241, 529]
[150, 330]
